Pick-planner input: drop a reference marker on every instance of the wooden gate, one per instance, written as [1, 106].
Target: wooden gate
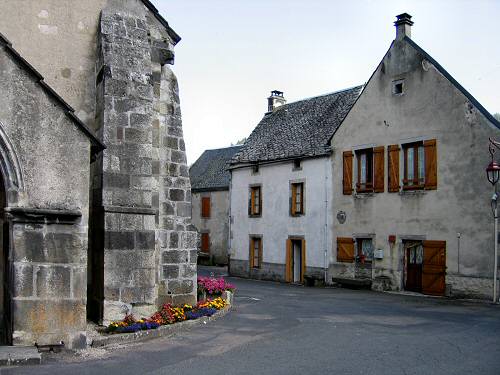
[434, 268]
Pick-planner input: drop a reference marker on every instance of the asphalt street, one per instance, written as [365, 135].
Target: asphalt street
[285, 329]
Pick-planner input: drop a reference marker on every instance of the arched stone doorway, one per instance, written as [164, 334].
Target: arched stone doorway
[5, 313]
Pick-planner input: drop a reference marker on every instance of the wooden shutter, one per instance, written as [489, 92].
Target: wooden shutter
[260, 201]
[288, 261]
[205, 207]
[252, 201]
[251, 253]
[430, 151]
[393, 168]
[347, 180]
[303, 261]
[294, 197]
[434, 268]
[205, 242]
[345, 249]
[378, 169]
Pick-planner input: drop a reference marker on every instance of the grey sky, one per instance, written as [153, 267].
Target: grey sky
[234, 52]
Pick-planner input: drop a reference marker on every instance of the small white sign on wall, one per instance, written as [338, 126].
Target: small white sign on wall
[378, 254]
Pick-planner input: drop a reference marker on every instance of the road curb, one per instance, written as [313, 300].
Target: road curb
[166, 330]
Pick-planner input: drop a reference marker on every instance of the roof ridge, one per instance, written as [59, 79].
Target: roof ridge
[321, 96]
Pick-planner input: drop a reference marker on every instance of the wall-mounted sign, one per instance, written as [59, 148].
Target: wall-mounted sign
[341, 216]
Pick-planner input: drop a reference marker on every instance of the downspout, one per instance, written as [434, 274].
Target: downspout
[229, 223]
[325, 234]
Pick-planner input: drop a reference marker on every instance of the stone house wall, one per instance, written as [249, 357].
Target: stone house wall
[217, 225]
[430, 108]
[45, 163]
[276, 224]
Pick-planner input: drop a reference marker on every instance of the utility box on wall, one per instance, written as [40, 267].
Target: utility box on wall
[378, 254]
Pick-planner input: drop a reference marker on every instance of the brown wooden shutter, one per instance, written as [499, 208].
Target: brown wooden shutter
[393, 168]
[378, 169]
[345, 249]
[260, 201]
[347, 180]
[294, 197]
[205, 207]
[430, 151]
[252, 201]
[251, 253]
[303, 261]
[434, 268]
[288, 261]
[205, 242]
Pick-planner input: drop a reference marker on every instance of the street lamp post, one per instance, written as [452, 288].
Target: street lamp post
[493, 174]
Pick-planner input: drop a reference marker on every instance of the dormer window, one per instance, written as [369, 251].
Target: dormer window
[398, 87]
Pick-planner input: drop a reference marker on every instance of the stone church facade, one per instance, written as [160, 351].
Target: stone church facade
[96, 210]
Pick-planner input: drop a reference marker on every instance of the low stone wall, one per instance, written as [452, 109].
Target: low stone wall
[470, 286]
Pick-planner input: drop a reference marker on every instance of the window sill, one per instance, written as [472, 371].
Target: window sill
[412, 192]
[297, 215]
[363, 194]
[254, 216]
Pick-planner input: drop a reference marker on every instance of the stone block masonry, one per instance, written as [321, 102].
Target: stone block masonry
[146, 252]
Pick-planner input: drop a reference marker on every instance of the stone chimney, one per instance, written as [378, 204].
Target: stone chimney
[275, 100]
[403, 26]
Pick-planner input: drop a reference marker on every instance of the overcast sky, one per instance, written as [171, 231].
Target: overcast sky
[234, 52]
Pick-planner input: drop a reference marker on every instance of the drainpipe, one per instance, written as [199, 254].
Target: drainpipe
[325, 234]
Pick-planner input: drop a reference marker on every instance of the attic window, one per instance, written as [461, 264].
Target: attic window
[296, 165]
[255, 169]
[398, 87]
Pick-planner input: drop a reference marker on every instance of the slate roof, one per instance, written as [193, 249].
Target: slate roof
[210, 172]
[97, 145]
[299, 129]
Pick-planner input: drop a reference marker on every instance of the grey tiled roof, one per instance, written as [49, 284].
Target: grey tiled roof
[299, 129]
[210, 172]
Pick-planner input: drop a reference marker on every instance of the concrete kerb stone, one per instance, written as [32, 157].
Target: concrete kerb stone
[166, 330]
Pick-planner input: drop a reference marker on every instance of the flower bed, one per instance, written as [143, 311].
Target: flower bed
[168, 315]
[210, 286]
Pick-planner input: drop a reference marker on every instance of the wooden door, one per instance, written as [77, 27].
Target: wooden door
[434, 268]
[414, 258]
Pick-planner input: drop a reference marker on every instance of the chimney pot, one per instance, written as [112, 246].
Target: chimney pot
[403, 25]
[275, 100]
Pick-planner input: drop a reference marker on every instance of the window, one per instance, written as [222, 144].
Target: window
[205, 207]
[205, 242]
[296, 165]
[419, 166]
[414, 165]
[297, 199]
[364, 250]
[255, 169]
[255, 208]
[255, 256]
[398, 87]
[365, 170]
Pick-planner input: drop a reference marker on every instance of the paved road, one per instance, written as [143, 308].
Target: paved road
[282, 329]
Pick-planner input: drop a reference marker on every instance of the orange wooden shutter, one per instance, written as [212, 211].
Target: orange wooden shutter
[347, 180]
[288, 261]
[378, 169]
[434, 268]
[252, 201]
[294, 197]
[251, 253]
[205, 207]
[430, 164]
[345, 249]
[260, 201]
[303, 261]
[393, 168]
[205, 242]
